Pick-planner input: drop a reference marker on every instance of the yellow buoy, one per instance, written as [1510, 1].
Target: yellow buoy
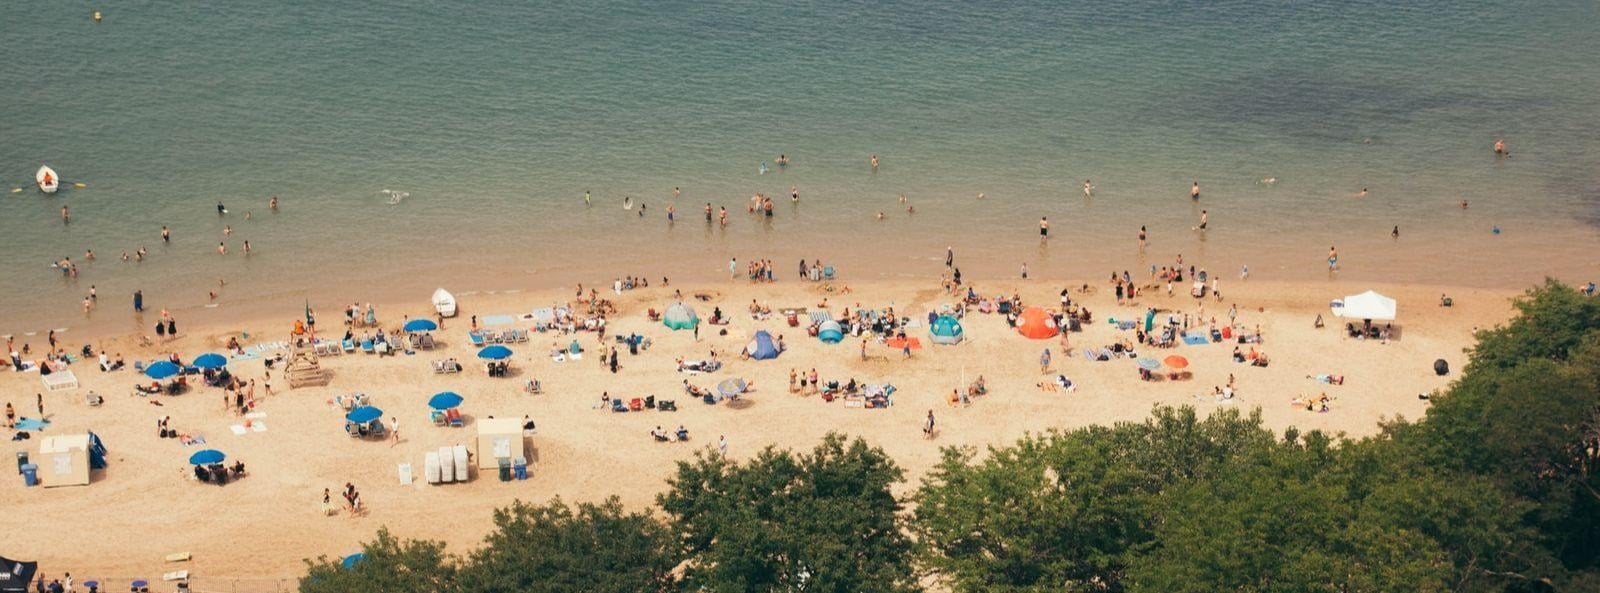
[97, 16]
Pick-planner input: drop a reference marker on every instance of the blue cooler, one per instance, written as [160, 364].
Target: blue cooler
[30, 474]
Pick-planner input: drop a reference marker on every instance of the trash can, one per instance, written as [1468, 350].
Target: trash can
[30, 474]
[505, 470]
[22, 459]
[521, 468]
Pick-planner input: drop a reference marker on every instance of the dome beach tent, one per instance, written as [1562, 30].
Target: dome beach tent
[946, 330]
[1037, 324]
[830, 332]
[761, 347]
[680, 316]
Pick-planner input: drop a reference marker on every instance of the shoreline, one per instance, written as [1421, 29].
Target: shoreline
[583, 454]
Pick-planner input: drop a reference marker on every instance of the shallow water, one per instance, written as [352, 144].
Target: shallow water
[496, 116]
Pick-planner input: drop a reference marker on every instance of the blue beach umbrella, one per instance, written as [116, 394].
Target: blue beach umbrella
[419, 325]
[207, 457]
[211, 360]
[161, 370]
[496, 352]
[364, 414]
[1149, 364]
[445, 400]
[351, 560]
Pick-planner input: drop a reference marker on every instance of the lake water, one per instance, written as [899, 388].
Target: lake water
[495, 117]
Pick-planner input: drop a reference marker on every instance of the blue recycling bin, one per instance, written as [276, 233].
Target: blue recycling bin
[521, 468]
[30, 474]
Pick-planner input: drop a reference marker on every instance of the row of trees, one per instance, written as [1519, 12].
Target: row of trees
[1497, 490]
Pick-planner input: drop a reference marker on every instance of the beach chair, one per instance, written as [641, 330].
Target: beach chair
[827, 272]
[349, 345]
[457, 421]
[476, 338]
[618, 406]
[366, 346]
[438, 418]
[93, 399]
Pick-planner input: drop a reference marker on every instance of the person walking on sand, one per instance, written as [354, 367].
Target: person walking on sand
[733, 268]
[1044, 361]
[927, 426]
[722, 446]
[950, 257]
[39, 398]
[394, 428]
[1194, 191]
[863, 349]
[1024, 270]
[1141, 238]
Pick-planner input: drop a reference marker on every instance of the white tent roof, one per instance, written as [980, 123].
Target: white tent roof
[1367, 305]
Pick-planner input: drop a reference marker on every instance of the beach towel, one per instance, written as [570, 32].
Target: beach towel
[1196, 340]
[32, 424]
[818, 316]
[238, 429]
[898, 343]
[195, 440]
[258, 426]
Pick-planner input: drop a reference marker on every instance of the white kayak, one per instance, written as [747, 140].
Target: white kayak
[47, 179]
[444, 302]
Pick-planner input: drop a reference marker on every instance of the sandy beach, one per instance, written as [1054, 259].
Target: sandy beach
[258, 529]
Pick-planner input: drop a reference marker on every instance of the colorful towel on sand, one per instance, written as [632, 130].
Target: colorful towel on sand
[1196, 340]
[900, 343]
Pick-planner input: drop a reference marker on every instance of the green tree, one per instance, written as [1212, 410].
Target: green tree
[1281, 522]
[819, 522]
[390, 565]
[551, 549]
[1064, 511]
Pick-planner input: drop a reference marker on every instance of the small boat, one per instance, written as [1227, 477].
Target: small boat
[47, 179]
[444, 302]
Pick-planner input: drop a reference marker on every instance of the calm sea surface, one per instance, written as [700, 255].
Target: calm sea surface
[495, 117]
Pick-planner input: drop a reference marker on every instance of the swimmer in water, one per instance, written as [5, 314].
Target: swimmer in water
[1204, 218]
[980, 195]
[1141, 238]
[874, 163]
[1044, 228]
[1088, 189]
[1194, 191]
[763, 168]
[671, 213]
[1463, 204]
[222, 248]
[273, 204]
[586, 198]
[676, 192]
[66, 217]
[1395, 233]
[221, 210]
[1269, 180]
[1333, 259]
[708, 212]
[880, 215]
[794, 194]
[902, 198]
[1362, 193]
[627, 202]
[783, 160]
[1500, 148]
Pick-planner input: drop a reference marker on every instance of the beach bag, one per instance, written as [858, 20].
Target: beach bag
[1441, 368]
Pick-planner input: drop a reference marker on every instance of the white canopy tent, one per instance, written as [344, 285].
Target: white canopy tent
[1367, 305]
